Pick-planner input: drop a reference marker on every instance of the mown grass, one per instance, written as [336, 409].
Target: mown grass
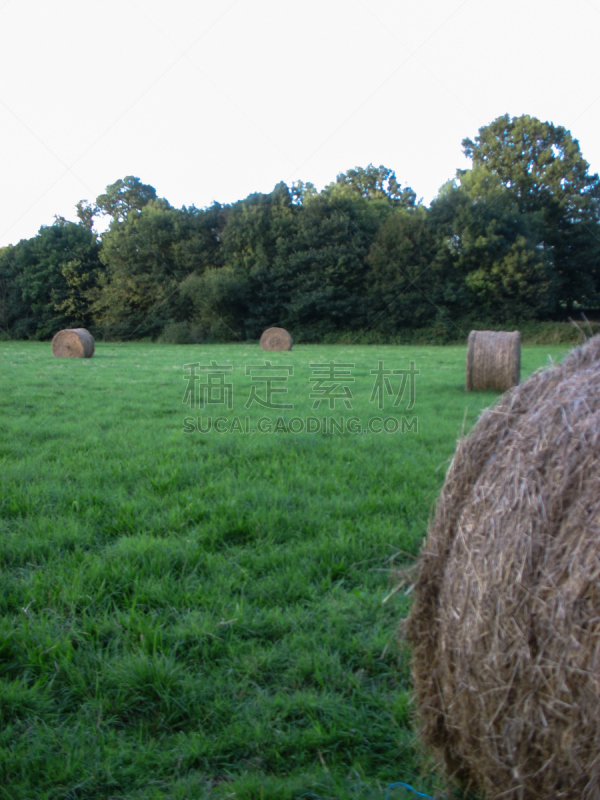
[191, 616]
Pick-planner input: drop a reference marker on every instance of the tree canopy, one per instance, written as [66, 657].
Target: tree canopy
[48, 280]
[122, 197]
[542, 167]
[374, 183]
[515, 237]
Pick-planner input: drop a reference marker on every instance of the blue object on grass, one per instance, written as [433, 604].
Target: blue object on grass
[406, 786]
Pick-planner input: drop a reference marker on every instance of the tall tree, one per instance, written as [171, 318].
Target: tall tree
[51, 276]
[542, 166]
[220, 301]
[406, 289]
[256, 243]
[13, 309]
[493, 260]
[86, 213]
[147, 255]
[120, 198]
[325, 273]
[199, 247]
[374, 183]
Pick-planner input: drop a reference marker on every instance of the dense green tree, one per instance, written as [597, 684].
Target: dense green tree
[256, 230]
[86, 213]
[201, 237]
[257, 240]
[300, 191]
[542, 166]
[406, 286]
[324, 276]
[301, 255]
[14, 312]
[374, 183]
[491, 254]
[120, 198]
[147, 255]
[220, 299]
[515, 237]
[48, 279]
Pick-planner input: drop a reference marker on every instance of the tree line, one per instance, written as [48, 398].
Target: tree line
[514, 238]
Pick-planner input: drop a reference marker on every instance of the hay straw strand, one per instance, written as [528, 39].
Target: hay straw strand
[276, 339]
[493, 361]
[505, 627]
[73, 343]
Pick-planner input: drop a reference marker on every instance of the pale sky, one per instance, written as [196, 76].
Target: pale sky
[214, 100]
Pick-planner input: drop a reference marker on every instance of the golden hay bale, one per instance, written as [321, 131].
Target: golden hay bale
[73, 343]
[493, 361]
[276, 339]
[505, 626]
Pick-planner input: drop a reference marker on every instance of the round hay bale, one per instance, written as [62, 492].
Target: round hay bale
[276, 339]
[73, 343]
[493, 361]
[505, 625]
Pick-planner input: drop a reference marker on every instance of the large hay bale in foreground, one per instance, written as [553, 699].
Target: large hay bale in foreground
[276, 339]
[493, 361]
[73, 343]
[505, 626]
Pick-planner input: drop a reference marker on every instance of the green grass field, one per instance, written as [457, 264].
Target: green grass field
[191, 615]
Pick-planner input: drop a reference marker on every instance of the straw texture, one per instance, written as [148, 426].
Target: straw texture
[505, 626]
[493, 361]
[276, 339]
[73, 343]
